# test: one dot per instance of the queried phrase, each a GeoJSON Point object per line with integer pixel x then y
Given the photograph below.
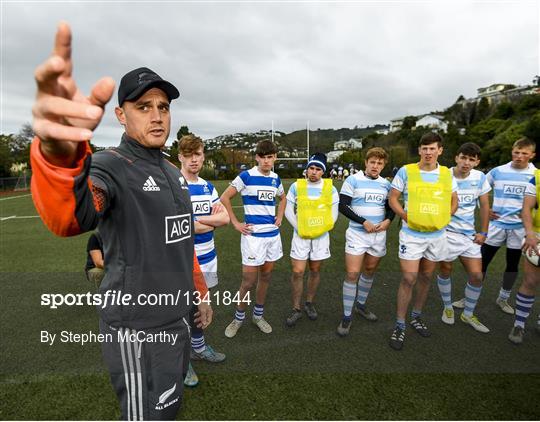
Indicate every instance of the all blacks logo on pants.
{"type": "Point", "coordinates": [177, 228]}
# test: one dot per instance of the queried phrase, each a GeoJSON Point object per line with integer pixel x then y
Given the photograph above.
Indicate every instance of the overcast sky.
{"type": "Point", "coordinates": [241, 65]}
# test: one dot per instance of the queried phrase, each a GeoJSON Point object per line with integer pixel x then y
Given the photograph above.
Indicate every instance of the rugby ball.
{"type": "Point", "coordinates": [532, 258]}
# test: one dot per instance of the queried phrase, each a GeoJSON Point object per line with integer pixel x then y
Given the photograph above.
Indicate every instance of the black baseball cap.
{"type": "Point", "coordinates": [138, 81]}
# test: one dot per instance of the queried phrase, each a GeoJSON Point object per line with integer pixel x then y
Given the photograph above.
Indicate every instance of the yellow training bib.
{"type": "Point", "coordinates": [429, 204]}
{"type": "Point", "coordinates": [314, 215]}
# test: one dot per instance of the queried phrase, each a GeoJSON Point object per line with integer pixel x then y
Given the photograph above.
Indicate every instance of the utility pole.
{"type": "Point", "coordinates": [307, 129]}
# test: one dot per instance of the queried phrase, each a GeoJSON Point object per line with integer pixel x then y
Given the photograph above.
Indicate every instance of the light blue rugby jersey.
{"type": "Point", "coordinates": [469, 189]}
{"type": "Point", "coordinates": [314, 191]}
{"type": "Point", "coordinates": [509, 186]}
{"type": "Point", "coordinates": [203, 197]}
{"type": "Point", "coordinates": [259, 198]}
{"type": "Point", "coordinates": [368, 197]}
{"type": "Point", "coordinates": [400, 183]}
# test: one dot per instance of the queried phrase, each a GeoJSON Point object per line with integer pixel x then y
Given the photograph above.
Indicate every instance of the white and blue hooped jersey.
{"type": "Point", "coordinates": [314, 191]}
{"type": "Point", "coordinates": [400, 183]}
{"type": "Point", "coordinates": [368, 197]}
{"type": "Point", "coordinates": [203, 197]}
{"type": "Point", "coordinates": [469, 189]}
{"type": "Point", "coordinates": [259, 198]}
{"type": "Point", "coordinates": [509, 186]}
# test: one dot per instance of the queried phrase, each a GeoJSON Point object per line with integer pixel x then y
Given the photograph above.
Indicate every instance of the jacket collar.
{"type": "Point", "coordinates": [140, 151]}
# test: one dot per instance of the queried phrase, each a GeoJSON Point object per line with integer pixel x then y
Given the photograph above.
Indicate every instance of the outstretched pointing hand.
{"type": "Point", "coordinates": [63, 116]}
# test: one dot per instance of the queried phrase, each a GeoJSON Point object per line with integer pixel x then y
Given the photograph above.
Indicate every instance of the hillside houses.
{"type": "Point", "coordinates": [347, 145]}
{"type": "Point", "coordinates": [496, 93]}
{"type": "Point", "coordinates": [433, 121]}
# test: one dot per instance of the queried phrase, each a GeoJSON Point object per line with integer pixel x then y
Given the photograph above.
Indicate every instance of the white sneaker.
{"type": "Point", "coordinates": [233, 328]}
{"type": "Point", "coordinates": [448, 316]}
{"type": "Point", "coordinates": [505, 307]}
{"type": "Point", "coordinates": [262, 324]}
{"type": "Point", "coordinates": [473, 322]}
{"type": "Point", "coordinates": [459, 304]}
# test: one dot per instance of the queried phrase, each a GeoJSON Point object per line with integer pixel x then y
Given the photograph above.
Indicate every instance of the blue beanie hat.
{"type": "Point", "coordinates": [318, 159]}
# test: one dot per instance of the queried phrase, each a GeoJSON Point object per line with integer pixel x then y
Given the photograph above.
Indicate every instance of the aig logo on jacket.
{"type": "Point", "coordinates": [177, 228]}
{"type": "Point", "coordinates": [201, 207]}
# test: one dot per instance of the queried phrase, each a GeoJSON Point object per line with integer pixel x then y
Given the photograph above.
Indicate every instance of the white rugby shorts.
{"type": "Point", "coordinates": [312, 249]}
{"type": "Point", "coordinates": [258, 250]}
{"type": "Point", "coordinates": [414, 248]}
{"type": "Point", "coordinates": [209, 271]}
{"type": "Point", "coordinates": [459, 244]}
{"type": "Point", "coordinates": [498, 236]}
{"type": "Point", "coordinates": [359, 243]}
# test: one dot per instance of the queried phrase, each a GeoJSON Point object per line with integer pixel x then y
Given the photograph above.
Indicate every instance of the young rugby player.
{"type": "Point", "coordinates": [462, 238]}
{"type": "Point", "coordinates": [208, 214]}
{"type": "Point", "coordinates": [430, 197]}
{"type": "Point", "coordinates": [506, 227]}
{"type": "Point", "coordinates": [312, 210]}
{"type": "Point", "coordinates": [363, 200]}
{"type": "Point", "coordinates": [260, 240]}
{"type": "Point", "coordinates": [531, 276]}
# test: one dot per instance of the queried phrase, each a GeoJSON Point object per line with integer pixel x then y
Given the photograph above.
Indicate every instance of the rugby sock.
{"type": "Point", "coordinates": [240, 315]}
{"type": "Point", "coordinates": [349, 294]}
{"type": "Point", "coordinates": [445, 288]}
{"type": "Point", "coordinates": [400, 323]}
{"type": "Point", "coordinates": [415, 313]}
{"type": "Point", "coordinates": [197, 342]}
{"type": "Point", "coordinates": [504, 294]}
{"type": "Point", "coordinates": [472, 294]}
{"type": "Point", "coordinates": [364, 286]}
{"type": "Point", "coordinates": [524, 304]}
{"type": "Point", "coordinates": [258, 311]}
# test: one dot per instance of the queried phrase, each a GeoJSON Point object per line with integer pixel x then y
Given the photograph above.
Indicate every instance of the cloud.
{"type": "Point", "coordinates": [240, 66]}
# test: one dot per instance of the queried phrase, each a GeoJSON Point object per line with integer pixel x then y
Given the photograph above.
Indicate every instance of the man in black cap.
{"type": "Point", "coordinates": [141, 205]}
{"type": "Point", "coordinates": [312, 210]}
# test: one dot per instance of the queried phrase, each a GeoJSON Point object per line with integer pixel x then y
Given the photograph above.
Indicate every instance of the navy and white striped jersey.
{"type": "Point", "coordinates": [469, 189]}
{"type": "Point", "coordinates": [368, 197]}
{"type": "Point", "coordinates": [259, 198]}
{"type": "Point", "coordinates": [509, 186]}
{"type": "Point", "coordinates": [203, 197]}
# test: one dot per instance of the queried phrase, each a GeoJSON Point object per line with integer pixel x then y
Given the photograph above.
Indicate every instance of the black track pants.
{"type": "Point", "coordinates": [148, 377]}
{"type": "Point", "coordinates": [512, 263]}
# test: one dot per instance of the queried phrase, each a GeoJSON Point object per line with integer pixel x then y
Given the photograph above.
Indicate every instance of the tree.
{"type": "Point", "coordinates": [504, 110]}
{"type": "Point", "coordinates": [173, 151]}
{"type": "Point", "coordinates": [184, 130]}
{"type": "Point", "coordinates": [529, 103]}
{"type": "Point", "coordinates": [15, 149]}
{"type": "Point", "coordinates": [6, 159]}
{"type": "Point", "coordinates": [408, 122]}
{"type": "Point", "coordinates": [351, 157]}
{"type": "Point", "coordinates": [27, 132]}
{"type": "Point", "coordinates": [482, 111]}
{"type": "Point", "coordinates": [532, 129]}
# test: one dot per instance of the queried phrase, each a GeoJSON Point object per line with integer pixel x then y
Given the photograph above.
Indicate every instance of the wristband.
{"type": "Point", "coordinates": [483, 233]}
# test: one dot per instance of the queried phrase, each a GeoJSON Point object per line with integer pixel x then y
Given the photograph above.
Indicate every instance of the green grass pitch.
{"type": "Point", "coordinates": [306, 372]}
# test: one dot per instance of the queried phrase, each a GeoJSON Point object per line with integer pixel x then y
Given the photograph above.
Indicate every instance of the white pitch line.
{"type": "Point", "coordinates": [11, 217]}
{"type": "Point", "coordinates": [15, 197]}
